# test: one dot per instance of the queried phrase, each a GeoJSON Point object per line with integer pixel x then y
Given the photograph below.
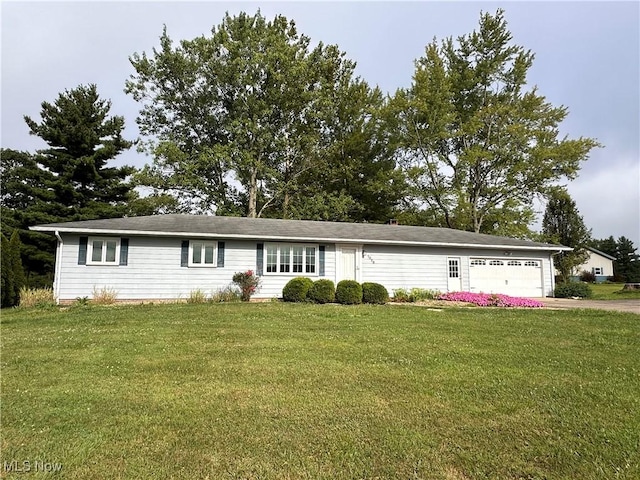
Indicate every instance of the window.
{"type": "Point", "coordinates": [597, 270]}
{"type": "Point", "coordinates": [496, 262]}
{"type": "Point", "coordinates": [476, 262]}
{"type": "Point", "coordinates": [285, 260]}
{"type": "Point", "coordinates": [531, 263]}
{"type": "Point", "coordinates": [272, 258]}
{"type": "Point", "coordinates": [297, 259]}
{"type": "Point", "coordinates": [104, 251]}
{"type": "Point", "coordinates": [202, 254]}
{"type": "Point", "coordinates": [310, 260]}
{"type": "Point", "coordinates": [514, 263]}
{"type": "Point", "coordinates": [454, 269]}
{"type": "Point", "coordinates": [291, 259]}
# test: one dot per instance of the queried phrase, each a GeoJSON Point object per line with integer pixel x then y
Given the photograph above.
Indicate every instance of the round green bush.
{"type": "Point", "coordinates": [322, 291]}
{"type": "Point", "coordinates": [349, 292]}
{"type": "Point", "coordinates": [296, 289]}
{"type": "Point", "coordinates": [572, 289]}
{"type": "Point", "coordinates": [374, 293]}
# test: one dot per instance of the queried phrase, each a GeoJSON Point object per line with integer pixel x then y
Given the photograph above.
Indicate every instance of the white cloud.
{"type": "Point", "coordinates": [609, 200]}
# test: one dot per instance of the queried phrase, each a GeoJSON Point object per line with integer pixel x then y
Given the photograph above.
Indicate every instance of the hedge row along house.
{"type": "Point", "coordinates": [164, 257]}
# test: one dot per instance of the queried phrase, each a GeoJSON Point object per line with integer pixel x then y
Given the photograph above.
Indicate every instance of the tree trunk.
{"type": "Point", "coordinates": [285, 205]}
{"type": "Point", "coordinates": [253, 194]}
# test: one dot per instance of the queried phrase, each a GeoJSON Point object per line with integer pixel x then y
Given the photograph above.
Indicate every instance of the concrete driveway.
{"type": "Point", "coordinates": [630, 306]}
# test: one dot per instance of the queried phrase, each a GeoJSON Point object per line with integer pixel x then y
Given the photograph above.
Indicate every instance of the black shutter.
{"type": "Point", "coordinates": [321, 260]}
{"type": "Point", "coordinates": [184, 254]}
{"type": "Point", "coordinates": [259, 258]}
{"type": "Point", "coordinates": [82, 251]}
{"type": "Point", "coordinates": [124, 251]}
{"type": "Point", "coordinates": [220, 254]}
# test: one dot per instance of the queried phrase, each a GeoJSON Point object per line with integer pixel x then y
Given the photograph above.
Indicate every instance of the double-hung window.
{"type": "Point", "coordinates": [103, 251]}
{"type": "Point", "coordinates": [202, 253]}
{"type": "Point", "coordinates": [291, 259]}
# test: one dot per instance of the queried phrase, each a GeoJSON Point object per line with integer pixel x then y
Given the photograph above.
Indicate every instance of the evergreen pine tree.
{"type": "Point", "coordinates": [16, 271]}
{"type": "Point", "coordinates": [12, 273]}
{"type": "Point", "coordinates": [6, 288]}
{"type": "Point", "coordinates": [82, 139]}
{"type": "Point", "coordinates": [562, 224]}
{"type": "Point", "coordinates": [69, 180]}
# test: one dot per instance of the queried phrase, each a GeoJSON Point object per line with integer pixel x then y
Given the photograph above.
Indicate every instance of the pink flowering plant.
{"type": "Point", "coordinates": [248, 282]}
{"type": "Point", "coordinates": [490, 300]}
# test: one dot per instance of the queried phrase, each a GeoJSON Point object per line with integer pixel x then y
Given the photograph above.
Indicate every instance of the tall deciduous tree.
{"type": "Point", "coordinates": [354, 177]}
{"type": "Point", "coordinates": [477, 145]}
{"type": "Point", "coordinates": [562, 224]}
{"type": "Point", "coordinates": [252, 102]}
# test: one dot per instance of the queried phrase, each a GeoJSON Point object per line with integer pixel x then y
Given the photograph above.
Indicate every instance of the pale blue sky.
{"type": "Point", "coordinates": [587, 58]}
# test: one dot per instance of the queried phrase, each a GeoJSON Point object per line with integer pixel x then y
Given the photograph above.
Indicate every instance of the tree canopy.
{"type": "Point", "coordinates": [254, 120]}
{"type": "Point", "coordinates": [254, 104]}
{"type": "Point", "coordinates": [478, 145]}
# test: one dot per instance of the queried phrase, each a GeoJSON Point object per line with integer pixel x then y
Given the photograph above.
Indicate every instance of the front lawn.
{"type": "Point", "coordinates": [301, 391]}
{"type": "Point", "coordinates": [612, 291]}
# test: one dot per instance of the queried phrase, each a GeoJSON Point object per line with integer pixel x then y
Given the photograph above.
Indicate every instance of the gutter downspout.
{"type": "Point", "coordinates": [57, 267]}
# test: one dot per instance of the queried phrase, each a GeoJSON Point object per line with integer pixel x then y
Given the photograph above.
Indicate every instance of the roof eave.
{"type": "Point", "coordinates": [99, 231]}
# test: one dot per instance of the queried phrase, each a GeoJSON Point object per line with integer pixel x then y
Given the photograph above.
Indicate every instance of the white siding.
{"type": "Point", "coordinates": [424, 267]}
{"type": "Point", "coordinates": [154, 272]}
{"type": "Point", "coordinates": [596, 260]}
{"type": "Point", "coordinates": [405, 267]}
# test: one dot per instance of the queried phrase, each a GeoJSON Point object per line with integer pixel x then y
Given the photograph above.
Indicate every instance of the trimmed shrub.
{"type": "Point", "coordinates": [572, 289]}
{"type": "Point", "coordinates": [296, 289]}
{"type": "Point", "coordinates": [322, 291]}
{"type": "Point", "coordinates": [374, 293]}
{"type": "Point", "coordinates": [349, 292]}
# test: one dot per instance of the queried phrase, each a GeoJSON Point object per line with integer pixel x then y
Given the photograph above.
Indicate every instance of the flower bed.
{"type": "Point", "coordinates": [490, 300]}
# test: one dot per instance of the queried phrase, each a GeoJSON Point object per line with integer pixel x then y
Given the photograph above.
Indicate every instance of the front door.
{"type": "Point", "coordinates": [454, 283]}
{"type": "Point", "coordinates": [348, 261]}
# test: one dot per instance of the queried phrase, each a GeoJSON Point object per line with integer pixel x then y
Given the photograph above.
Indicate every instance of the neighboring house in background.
{"type": "Point", "coordinates": [599, 263]}
{"type": "Point", "coordinates": [165, 257]}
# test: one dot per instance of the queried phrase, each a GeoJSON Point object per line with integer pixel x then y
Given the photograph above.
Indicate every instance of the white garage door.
{"type": "Point", "coordinates": [520, 278]}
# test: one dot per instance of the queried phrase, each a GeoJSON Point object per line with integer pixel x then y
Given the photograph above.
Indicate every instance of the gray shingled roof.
{"type": "Point", "coordinates": [605, 255]}
{"type": "Point", "coordinates": [288, 230]}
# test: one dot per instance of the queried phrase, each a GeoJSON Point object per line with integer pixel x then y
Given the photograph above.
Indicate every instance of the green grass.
{"type": "Point", "coordinates": [612, 291]}
{"type": "Point", "coordinates": [301, 391]}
